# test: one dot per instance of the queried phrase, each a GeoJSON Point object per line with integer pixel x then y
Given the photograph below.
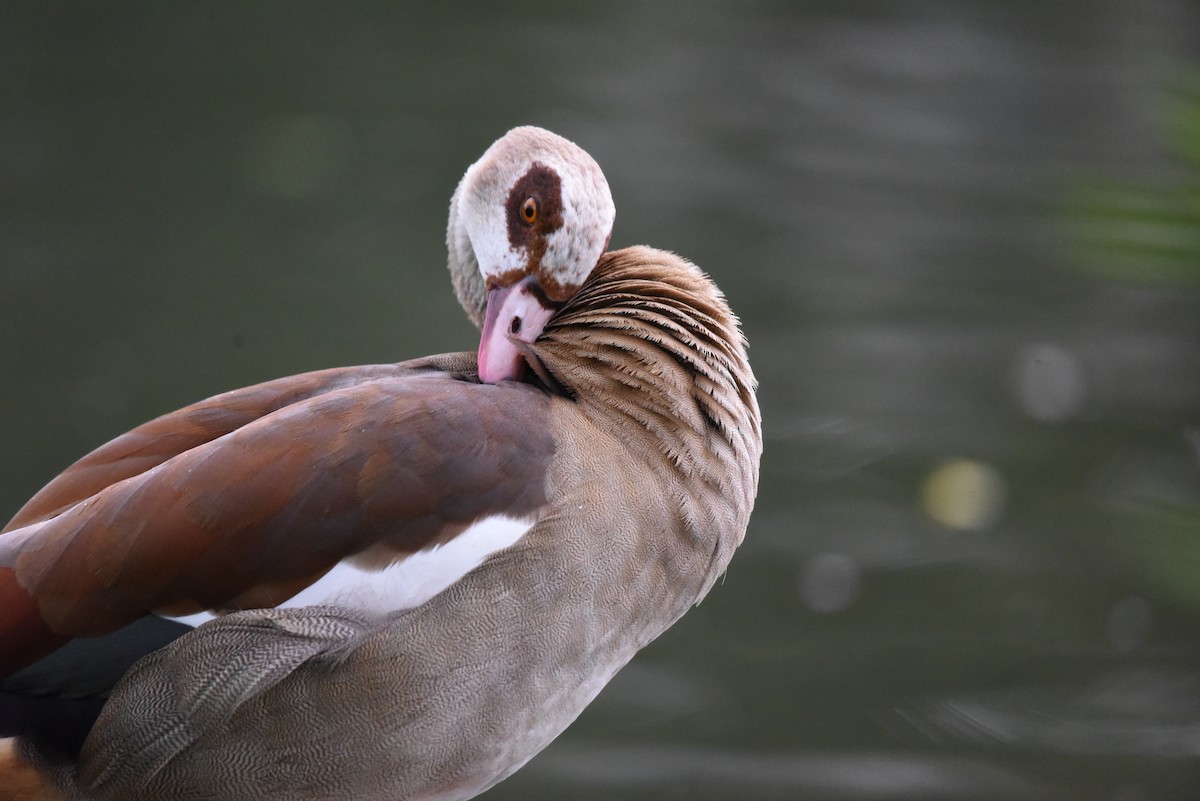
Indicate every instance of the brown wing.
{"type": "Point", "coordinates": [248, 518]}
{"type": "Point", "coordinates": [152, 443]}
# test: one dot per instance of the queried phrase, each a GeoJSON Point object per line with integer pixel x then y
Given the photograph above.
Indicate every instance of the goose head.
{"type": "Point", "coordinates": [528, 222]}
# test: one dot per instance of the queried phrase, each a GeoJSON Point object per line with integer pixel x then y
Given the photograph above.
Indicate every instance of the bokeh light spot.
{"type": "Point", "coordinates": [964, 494]}
{"type": "Point", "coordinates": [830, 582]}
{"type": "Point", "coordinates": [1050, 383]}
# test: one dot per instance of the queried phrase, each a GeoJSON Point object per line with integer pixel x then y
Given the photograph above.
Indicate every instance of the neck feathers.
{"type": "Point", "coordinates": [650, 338]}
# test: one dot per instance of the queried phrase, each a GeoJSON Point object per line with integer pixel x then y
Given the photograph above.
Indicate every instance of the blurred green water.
{"type": "Point", "coordinates": [970, 572]}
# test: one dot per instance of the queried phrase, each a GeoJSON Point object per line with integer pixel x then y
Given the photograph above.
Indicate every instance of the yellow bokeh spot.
{"type": "Point", "coordinates": [963, 494]}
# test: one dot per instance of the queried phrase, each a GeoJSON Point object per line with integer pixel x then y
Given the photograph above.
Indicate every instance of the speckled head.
{"type": "Point", "coordinates": [528, 223]}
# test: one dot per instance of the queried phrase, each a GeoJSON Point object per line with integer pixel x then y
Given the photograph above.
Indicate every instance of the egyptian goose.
{"type": "Point", "coordinates": [392, 581]}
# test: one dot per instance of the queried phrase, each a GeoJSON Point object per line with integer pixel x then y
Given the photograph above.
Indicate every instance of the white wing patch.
{"type": "Point", "coordinates": [407, 583]}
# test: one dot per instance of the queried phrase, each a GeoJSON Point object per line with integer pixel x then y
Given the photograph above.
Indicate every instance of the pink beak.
{"type": "Point", "coordinates": [516, 312]}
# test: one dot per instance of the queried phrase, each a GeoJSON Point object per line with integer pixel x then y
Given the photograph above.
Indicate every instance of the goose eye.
{"type": "Point", "coordinates": [529, 210]}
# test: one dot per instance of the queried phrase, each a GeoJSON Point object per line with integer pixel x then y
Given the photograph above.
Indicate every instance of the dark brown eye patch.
{"type": "Point", "coordinates": [534, 205]}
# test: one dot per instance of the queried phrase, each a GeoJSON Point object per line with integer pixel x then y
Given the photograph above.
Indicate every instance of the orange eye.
{"type": "Point", "coordinates": [529, 210]}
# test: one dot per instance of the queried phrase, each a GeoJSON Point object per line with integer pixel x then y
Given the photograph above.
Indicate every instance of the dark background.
{"type": "Point", "coordinates": [974, 568]}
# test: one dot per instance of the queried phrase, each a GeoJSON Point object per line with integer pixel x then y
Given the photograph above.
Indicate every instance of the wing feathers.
{"type": "Point", "coordinates": [160, 439]}
{"type": "Point", "coordinates": [251, 517]}
{"type": "Point", "coordinates": [199, 681]}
